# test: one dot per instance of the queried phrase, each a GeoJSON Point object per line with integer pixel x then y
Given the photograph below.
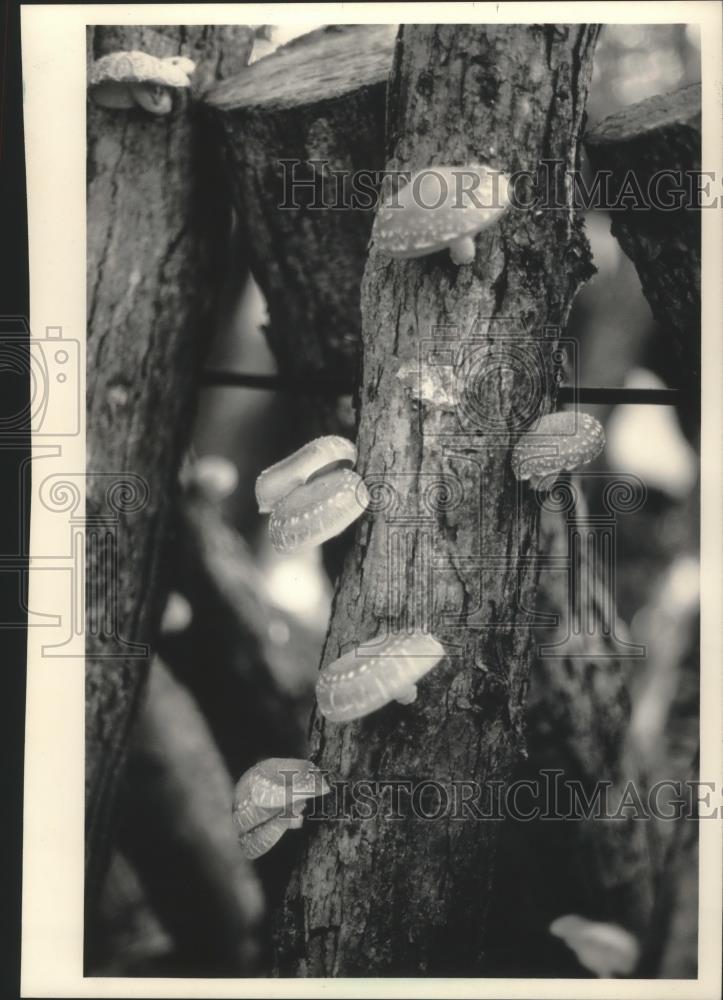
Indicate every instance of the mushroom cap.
{"type": "Point", "coordinates": [280, 479]}
{"type": "Point", "coordinates": [183, 63]}
{"type": "Point", "coordinates": [177, 614]}
{"type": "Point", "coordinates": [138, 67]}
{"type": "Point", "coordinates": [265, 791]}
{"type": "Point", "coordinates": [262, 837]}
{"type": "Point", "coordinates": [561, 441]}
{"type": "Point", "coordinates": [356, 685]}
{"type": "Point", "coordinates": [215, 476]}
{"type": "Point", "coordinates": [415, 225]}
{"type": "Point", "coordinates": [605, 949]}
{"type": "Point", "coordinates": [317, 511]}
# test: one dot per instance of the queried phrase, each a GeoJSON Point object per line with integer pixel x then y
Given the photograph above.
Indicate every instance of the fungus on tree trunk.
{"type": "Point", "coordinates": [371, 898]}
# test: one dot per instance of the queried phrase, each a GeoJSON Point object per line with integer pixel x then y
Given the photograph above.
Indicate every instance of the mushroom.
{"type": "Point", "coordinates": [215, 476]}
{"type": "Point", "coordinates": [561, 441]}
{"type": "Point", "coordinates": [177, 614]}
{"type": "Point", "coordinates": [270, 799]}
{"type": "Point", "coordinates": [317, 511]}
{"type": "Point", "coordinates": [605, 949]}
{"type": "Point", "coordinates": [126, 79]}
{"type": "Point", "coordinates": [437, 210]}
{"type": "Point", "coordinates": [315, 458]}
{"type": "Point", "coordinates": [358, 684]}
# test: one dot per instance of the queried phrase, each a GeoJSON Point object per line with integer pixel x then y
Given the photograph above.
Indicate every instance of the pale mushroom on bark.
{"type": "Point", "coordinates": [215, 476]}
{"type": "Point", "coordinates": [359, 683]}
{"type": "Point", "coordinates": [605, 949]}
{"type": "Point", "coordinates": [127, 79]}
{"type": "Point", "coordinates": [561, 442]}
{"type": "Point", "coordinates": [313, 495]}
{"type": "Point", "coordinates": [441, 208]}
{"type": "Point", "coordinates": [270, 798]}
{"type": "Point", "coordinates": [318, 456]}
{"type": "Point", "coordinates": [317, 511]}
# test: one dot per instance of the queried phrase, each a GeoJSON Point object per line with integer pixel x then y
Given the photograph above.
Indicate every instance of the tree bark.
{"type": "Point", "coordinates": [662, 133]}
{"type": "Point", "coordinates": [410, 897]}
{"type": "Point", "coordinates": [157, 227]}
{"type": "Point", "coordinates": [579, 710]}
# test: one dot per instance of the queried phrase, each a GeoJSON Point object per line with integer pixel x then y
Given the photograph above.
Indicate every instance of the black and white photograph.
{"type": "Point", "coordinates": [382, 447]}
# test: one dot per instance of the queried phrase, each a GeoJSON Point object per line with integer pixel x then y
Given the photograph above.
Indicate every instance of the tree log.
{"type": "Point", "coordinates": [319, 98]}
{"type": "Point", "coordinates": [410, 897]}
{"type": "Point", "coordinates": [127, 939]}
{"type": "Point", "coordinates": [662, 133]}
{"type": "Point", "coordinates": [157, 225]}
{"type": "Point", "coordinates": [579, 710]}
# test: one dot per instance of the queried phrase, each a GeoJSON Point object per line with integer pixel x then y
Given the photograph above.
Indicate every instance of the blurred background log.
{"type": "Point", "coordinates": [250, 665]}
{"type": "Point", "coordinates": [663, 133]}
{"type": "Point", "coordinates": [175, 828]}
{"type": "Point", "coordinates": [158, 220]}
{"type": "Point", "coordinates": [660, 134]}
{"type": "Point", "coordinates": [127, 938]}
{"type": "Point", "coordinates": [262, 666]}
{"type": "Point", "coordinates": [319, 98]}
{"type": "Point", "coordinates": [578, 712]}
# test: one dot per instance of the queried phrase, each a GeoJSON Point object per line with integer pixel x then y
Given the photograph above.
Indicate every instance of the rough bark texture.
{"type": "Point", "coordinates": [152, 241]}
{"type": "Point", "coordinates": [662, 133]}
{"type": "Point", "coordinates": [579, 707]}
{"type": "Point", "coordinates": [320, 98]}
{"type": "Point", "coordinates": [410, 897]}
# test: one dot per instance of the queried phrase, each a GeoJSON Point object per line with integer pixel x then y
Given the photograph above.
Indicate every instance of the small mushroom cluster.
{"type": "Point", "coordinates": [122, 80]}
{"type": "Point", "coordinates": [270, 799]}
{"type": "Point", "coordinates": [438, 210]}
{"type": "Point", "coordinates": [561, 442]}
{"type": "Point", "coordinates": [312, 495]}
